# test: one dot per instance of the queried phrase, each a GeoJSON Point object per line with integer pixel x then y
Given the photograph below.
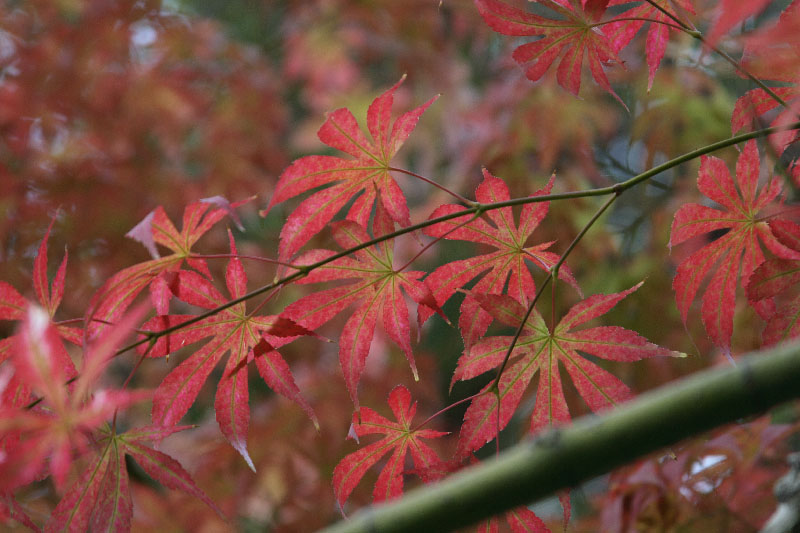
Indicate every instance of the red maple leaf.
{"type": "Point", "coordinates": [399, 438]}
{"type": "Point", "coordinates": [777, 276]}
{"type": "Point", "coordinates": [539, 350]}
{"type": "Point", "coordinates": [100, 499]}
{"type": "Point", "coordinates": [114, 297]}
{"type": "Point", "coordinates": [13, 306]}
{"type": "Point", "coordinates": [520, 520]}
{"type": "Point", "coordinates": [730, 14]}
{"type": "Point", "coordinates": [245, 336]}
{"type": "Point", "coordinates": [368, 171]}
{"type": "Point", "coordinates": [621, 33]}
{"type": "Point", "coordinates": [377, 288]}
{"type": "Point", "coordinates": [773, 53]}
{"type": "Point", "coordinates": [67, 415]}
{"type": "Point", "coordinates": [738, 246]}
{"type": "Point", "coordinates": [508, 263]}
{"type": "Point", "coordinates": [576, 34]}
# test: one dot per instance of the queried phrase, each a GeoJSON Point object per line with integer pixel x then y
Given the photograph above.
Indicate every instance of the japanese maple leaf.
{"type": "Point", "coordinates": [520, 520]}
{"type": "Point", "coordinates": [13, 306]}
{"type": "Point", "coordinates": [722, 258]}
{"type": "Point", "coordinates": [114, 297]}
{"type": "Point", "coordinates": [539, 350]}
{"type": "Point", "coordinates": [244, 335]}
{"type": "Point", "coordinates": [621, 33]}
{"type": "Point", "coordinates": [100, 499]}
{"type": "Point", "coordinates": [773, 54]}
{"type": "Point", "coordinates": [377, 290]}
{"type": "Point", "coordinates": [63, 422]}
{"type": "Point", "coordinates": [400, 438]}
{"type": "Point", "coordinates": [776, 276]}
{"type": "Point", "coordinates": [577, 34]}
{"type": "Point", "coordinates": [730, 14]}
{"type": "Point", "coordinates": [367, 172]}
{"type": "Point", "coordinates": [508, 263]}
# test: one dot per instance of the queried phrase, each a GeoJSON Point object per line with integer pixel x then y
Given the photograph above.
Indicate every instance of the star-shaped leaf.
{"type": "Point", "coordinates": [508, 263]}
{"type": "Point", "coordinates": [576, 34]}
{"type": "Point", "coordinates": [377, 290]}
{"type": "Point", "coordinates": [245, 336]}
{"type": "Point", "coordinates": [366, 172]}
{"type": "Point", "coordinates": [399, 438]}
{"type": "Point", "coordinates": [739, 246]}
{"type": "Point", "coordinates": [114, 297]}
{"type": "Point", "coordinates": [541, 351]}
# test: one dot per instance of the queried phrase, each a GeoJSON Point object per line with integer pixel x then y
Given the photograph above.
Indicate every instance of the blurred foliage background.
{"type": "Point", "coordinates": [109, 108]}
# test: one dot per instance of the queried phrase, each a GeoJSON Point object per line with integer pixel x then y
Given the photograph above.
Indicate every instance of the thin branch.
{"type": "Point", "coordinates": [476, 209]}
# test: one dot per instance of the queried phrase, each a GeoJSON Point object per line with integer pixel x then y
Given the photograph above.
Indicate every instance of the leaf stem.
{"type": "Point", "coordinates": [468, 203]}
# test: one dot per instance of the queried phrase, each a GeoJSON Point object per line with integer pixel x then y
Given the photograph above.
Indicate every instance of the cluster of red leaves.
{"type": "Point", "coordinates": [56, 422]}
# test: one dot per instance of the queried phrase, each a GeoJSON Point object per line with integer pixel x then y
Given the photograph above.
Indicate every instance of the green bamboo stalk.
{"type": "Point", "coordinates": [563, 458]}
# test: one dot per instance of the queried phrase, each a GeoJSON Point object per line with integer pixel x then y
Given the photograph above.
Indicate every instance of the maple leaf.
{"type": "Point", "coordinates": [508, 263]}
{"type": "Point", "coordinates": [247, 337]}
{"type": "Point", "coordinates": [732, 13]}
{"type": "Point", "coordinates": [14, 306]}
{"type": "Point", "coordinates": [575, 35]}
{"type": "Point", "coordinates": [114, 297]}
{"type": "Point", "coordinates": [621, 32]}
{"type": "Point", "coordinates": [539, 350]}
{"type": "Point", "coordinates": [520, 520]}
{"type": "Point", "coordinates": [774, 277]}
{"type": "Point", "coordinates": [377, 288]}
{"type": "Point", "coordinates": [399, 438]}
{"type": "Point", "coordinates": [100, 499]}
{"type": "Point", "coordinates": [738, 246]}
{"type": "Point", "coordinates": [368, 172]}
{"type": "Point", "coordinates": [773, 54]}
{"type": "Point", "coordinates": [67, 414]}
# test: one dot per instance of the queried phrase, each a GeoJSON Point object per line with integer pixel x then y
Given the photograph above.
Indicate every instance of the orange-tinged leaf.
{"type": "Point", "coordinates": [740, 245]}
{"type": "Point", "coordinates": [366, 173]}
{"type": "Point", "coordinates": [399, 438]}
{"type": "Point", "coordinates": [538, 350]}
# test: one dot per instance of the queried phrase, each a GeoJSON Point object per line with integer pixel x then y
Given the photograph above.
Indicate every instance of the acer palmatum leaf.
{"type": "Point", "coordinates": [376, 289]}
{"type": "Point", "coordinates": [731, 13]}
{"type": "Point", "coordinates": [774, 277]}
{"type": "Point", "coordinates": [399, 438]}
{"type": "Point", "coordinates": [366, 172]}
{"type": "Point", "coordinates": [100, 499]}
{"type": "Point", "coordinates": [739, 248]}
{"type": "Point", "coordinates": [60, 427]}
{"type": "Point", "coordinates": [575, 35]}
{"type": "Point", "coordinates": [232, 331]}
{"type": "Point", "coordinates": [621, 33]}
{"type": "Point", "coordinates": [538, 350]}
{"type": "Point", "coordinates": [13, 306]}
{"type": "Point", "coordinates": [116, 294]}
{"type": "Point", "coordinates": [508, 263]}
